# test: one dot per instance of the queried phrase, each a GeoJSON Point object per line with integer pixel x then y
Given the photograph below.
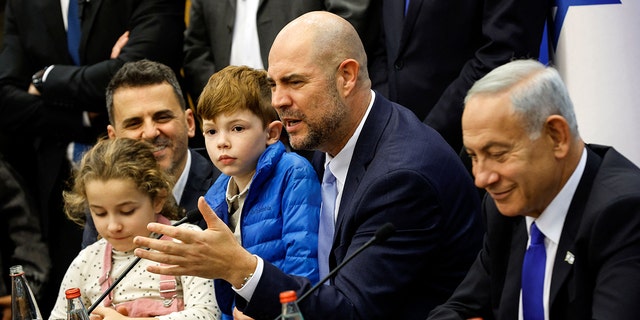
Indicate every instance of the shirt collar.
{"type": "Point", "coordinates": [551, 220]}
{"type": "Point", "coordinates": [233, 192]}
{"type": "Point", "coordinates": [178, 188]}
{"type": "Point", "coordinates": [340, 163]}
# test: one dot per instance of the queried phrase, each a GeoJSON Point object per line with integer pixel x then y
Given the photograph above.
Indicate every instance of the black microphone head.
{"type": "Point", "coordinates": [193, 216]}
{"type": "Point", "coordinates": [384, 232]}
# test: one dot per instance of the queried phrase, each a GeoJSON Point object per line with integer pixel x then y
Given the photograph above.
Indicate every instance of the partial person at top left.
{"type": "Point", "coordinates": [56, 61]}
{"type": "Point", "coordinates": [20, 238]}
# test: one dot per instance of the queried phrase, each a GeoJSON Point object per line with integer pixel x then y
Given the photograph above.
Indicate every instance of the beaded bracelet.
{"type": "Point", "coordinates": [246, 279]}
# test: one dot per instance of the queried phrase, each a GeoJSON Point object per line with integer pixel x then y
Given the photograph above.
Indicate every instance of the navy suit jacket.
{"type": "Point", "coordinates": [428, 60]}
{"type": "Point", "coordinates": [401, 172]}
{"type": "Point", "coordinates": [201, 176]}
{"type": "Point", "coordinates": [601, 231]}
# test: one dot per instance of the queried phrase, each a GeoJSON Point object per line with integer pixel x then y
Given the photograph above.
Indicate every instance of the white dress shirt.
{"type": "Point", "coordinates": [550, 223]}
{"type": "Point", "coordinates": [245, 46]}
{"type": "Point", "coordinates": [339, 168]}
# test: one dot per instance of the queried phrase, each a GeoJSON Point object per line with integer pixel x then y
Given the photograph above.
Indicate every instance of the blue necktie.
{"type": "Point", "coordinates": [73, 31]}
{"type": "Point", "coordinates": [406, 7]}
{"type": "Point", "coordinates": [327, 212]}
{"type": "Point", "coordinates": [73, 45]}
{"type": "Point", "coordinates": [533, 276]}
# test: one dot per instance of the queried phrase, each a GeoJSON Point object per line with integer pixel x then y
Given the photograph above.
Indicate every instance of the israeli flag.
{"type": "Point", "coordinates": [595, 45]}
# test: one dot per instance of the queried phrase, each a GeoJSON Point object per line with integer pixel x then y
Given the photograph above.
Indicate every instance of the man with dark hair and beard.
{"type": "Point", "coordinates": [145, 101]}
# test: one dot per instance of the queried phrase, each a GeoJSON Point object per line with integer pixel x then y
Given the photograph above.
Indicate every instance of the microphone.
{"type": "Point", "coordinates": [190, 217]}
{"type": "Point", "coordinates": [382, 234]}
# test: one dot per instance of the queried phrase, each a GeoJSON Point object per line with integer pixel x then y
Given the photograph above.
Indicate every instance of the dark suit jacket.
{"type": "Point", "coordinates": [428, 60]}
{"type": "Point", "coordinates": [202, 175]}
{"type": "Point", "coordinates": [209, 35]}
{"type": "Point", "coordinates": [35, 38]}
{"type": "Point", "coordinates": [401, 172]}
{"type": "Point", "coordinates": [601, 230]}
{"type": "Point", "coordinates": [208, 38]}
{"type": "Point", "coordinates": [40, 127]}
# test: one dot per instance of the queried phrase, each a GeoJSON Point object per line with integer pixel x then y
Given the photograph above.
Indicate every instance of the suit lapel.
{"type": "Point", "coordinates": [89, 14]}
{"type": "Point", "coordinates": [230, 17]}
{"type": "Point", "coordinates": [198, 181]}
{"type": "Point", "coordinates": [410, 22]}
{"type": "Point", "coordinates": [566, 254]}
{"type": "Point", "coordinates": [52, 16]}
{"type": "Point", "coordinates": [363, 154]}
{"type": "Point", "coordinates": [510, 300]}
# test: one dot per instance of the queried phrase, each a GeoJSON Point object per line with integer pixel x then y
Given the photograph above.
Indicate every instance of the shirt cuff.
{"type": "Point", "coordinates": [250, 287]}
{"type": "Point", "coordinates": [46, 73]}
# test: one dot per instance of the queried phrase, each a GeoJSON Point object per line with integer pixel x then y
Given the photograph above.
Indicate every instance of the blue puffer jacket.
{"type": "Point", "coordinates": [280, 216]}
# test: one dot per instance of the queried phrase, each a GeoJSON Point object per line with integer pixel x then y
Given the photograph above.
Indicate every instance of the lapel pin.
{"type": "Point", "coordinates": [570, 258]}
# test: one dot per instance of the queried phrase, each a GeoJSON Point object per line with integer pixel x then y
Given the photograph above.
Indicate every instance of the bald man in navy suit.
{"type": "Point", "coordinates": [389, 167]}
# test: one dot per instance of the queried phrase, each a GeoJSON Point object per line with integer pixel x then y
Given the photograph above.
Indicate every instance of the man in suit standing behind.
{"type": "Point", "coordinates": [56, 61]}
{"type": "Point", "coordinates": [430, 53]}
{"type": "Point", "coordinates": [388, 167]}
{"type": "Point", "coordinates": [563, 218]}
{"type": "Point", "coordinates": [240, 32]}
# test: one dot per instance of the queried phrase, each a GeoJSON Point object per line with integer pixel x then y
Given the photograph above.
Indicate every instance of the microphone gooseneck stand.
{"type": "Point", "coordinates": [382, 234]}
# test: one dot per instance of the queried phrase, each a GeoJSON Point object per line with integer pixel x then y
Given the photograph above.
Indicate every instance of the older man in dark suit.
{"type": "Point", "coordinates": [388, 167]}
{"type": "Point", "coordinates": [563, 217]}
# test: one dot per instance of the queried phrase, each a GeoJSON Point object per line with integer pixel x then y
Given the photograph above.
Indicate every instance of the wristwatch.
{"type": "Point", "coordinates": [37, 81]}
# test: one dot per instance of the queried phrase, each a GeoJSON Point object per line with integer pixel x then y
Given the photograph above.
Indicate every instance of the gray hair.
{"type": "Point", "coordinates": [536, 92]}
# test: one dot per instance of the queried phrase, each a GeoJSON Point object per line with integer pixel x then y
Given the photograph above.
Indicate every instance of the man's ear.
{"type": "Point", "coordinates": [347, 76]}
{"type": "Point", "coordinates": [191, 122]}
{"type": "Point", "coordinates": [274, 130]}
{"type": "Point", "coordinates": [111, 131]}
{"type": "Point", "coordinates": [557, 128]}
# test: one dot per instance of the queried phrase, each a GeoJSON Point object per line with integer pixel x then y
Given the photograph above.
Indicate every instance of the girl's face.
{"type": "Point", "coordinates": [120, 211]}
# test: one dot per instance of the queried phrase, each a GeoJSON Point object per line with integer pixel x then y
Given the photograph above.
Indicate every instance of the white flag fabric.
{"type": "Point", "coordinates": [597, 52]}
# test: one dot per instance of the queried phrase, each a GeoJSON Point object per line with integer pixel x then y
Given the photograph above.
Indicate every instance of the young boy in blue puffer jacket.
{"type": "Point", "coordinates": [269, 197]}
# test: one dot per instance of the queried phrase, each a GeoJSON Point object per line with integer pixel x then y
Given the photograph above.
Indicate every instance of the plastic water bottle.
{"type": "Point", "coordinates": [290, 309]}
{"type": "Point", "coordinates": [75, 308]}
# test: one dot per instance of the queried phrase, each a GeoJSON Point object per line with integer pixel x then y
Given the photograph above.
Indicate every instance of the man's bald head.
{"type": "Point", "coordinates": [330, 38]}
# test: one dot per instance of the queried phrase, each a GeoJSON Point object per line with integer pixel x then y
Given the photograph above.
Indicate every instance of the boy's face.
{"type": "Point", "coordinates": [120, 211]}
{"type": "Point", "coordinates": [235, 142]}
